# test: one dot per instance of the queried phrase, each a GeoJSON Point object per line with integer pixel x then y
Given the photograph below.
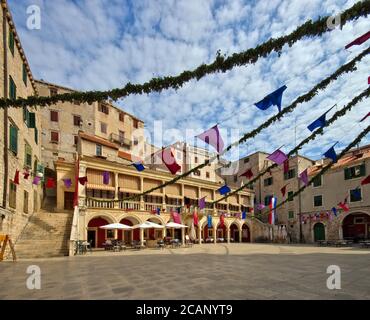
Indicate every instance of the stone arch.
{"type": "Point", "coordinates": [96, 235]}
{"type": "Point", "coordinates": [319, 231]}
{"type": "Point", "coordinates": [129, 235]}
{"type": "Point", "coordinates": [155, 234]}
{"type": "Point", "coordinates": [246, 232]}
{"type": "Point", "coordinates": [234, 231]}
{"type": "Point", "coordinates": [355, 225]}
{"type": "Point", "coordinates": [110, 218]}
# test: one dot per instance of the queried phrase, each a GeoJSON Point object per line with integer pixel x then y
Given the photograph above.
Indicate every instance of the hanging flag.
{"type": "Point", "coordinates": [358, 41]}
{"type": "Point", "coordinates": [202, 203]}
{"type": "Point", "coordinates": [176, 217]}
{"type": "Point", "coordinates": [366, 180]}
{"type": "Point", "coordinates": [26, 174]}
{"type": "Point", "coordinates": [334, 209]}
{"type": "Point", "coordinates": [209, 221]}
{"type": "Point", "coordinates": [105, 177]}
{"type": "Point", "coordinates": [331, 153]}
{"type": "Point", "coordinates": [82, 180]}
{"type": "Point", "coordinates": [67, 183]}
{"type": "Point", "coordinates": [195, 218]}
{"type": "Point", "coordinates": [366, 115]}
{"type": "Point", "coordinates": [178, 210]}
{"type": "Point", "coordinates": [357, 193]}
{"type": "Point", "coordinates": [320, 122]}
{"type": "Point", "coordinates": [260, 206]}
{"type": "Point", "coordinates": [50, 183]}
{"type": "Point", "coordinates": [278, 156]}
{"type": "Point", "coordinates": [16, 177]}
{"type": "Point", "coordinates": [283, 190]}
{"type": "Point", "coordinates": [244, 215]}
{"type": "Point", "coordinates": [187, 202]}
{"type": "Point", "coordinates": [159, 211]}
{"type": "Point", "coordinates": [304, 177]}
{"type": "Point", "coordinates": [344, 205]}
{"type": "Point", "coordinates": [286, 166]}
{"type": "Point", "coordinates": [248, 174]}
{"type": "Point", "coordinates": [36, 180]}
{"type": "Point", "coordinates": [274, 98]}
{"type": "Point", "coordinates": [222, 220]}
{"type": "Point", "coordinates": [138, 166]}
{"type": "Point", "coordinates": [224, 189]}
{"type": "Point", "coordinates": [272, 210]}
{"type": "Point", "coordinates": [213, 137]}
{"type": "Point", "coordinates": [169, 160]}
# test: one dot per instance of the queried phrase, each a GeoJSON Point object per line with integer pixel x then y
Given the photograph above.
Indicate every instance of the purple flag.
{"type": "Point", "coordinates": [36, 180]}
{"type": "Point", "coordinates": [212, 136]}
{"type": "Point", "coordinates": [304, 177]}
{"type": "Point", "coordinates": [278, 156]}
{"type": "Point", "coordinates": [67, 183]}
{"type": "Point", "coordinates": [260, 206]}
{"type": "Point", "coordinates": [106, 177]}
{"type": "Point", "coordinates": [202, 203]}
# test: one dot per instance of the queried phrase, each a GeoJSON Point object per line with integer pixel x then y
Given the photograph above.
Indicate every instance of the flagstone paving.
{"type": "Point", "coordinates": [234, 271]}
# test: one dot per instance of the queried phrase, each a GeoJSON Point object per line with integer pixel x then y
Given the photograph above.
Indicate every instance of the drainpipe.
{"type": "Point", "coordinates": [5, 159]}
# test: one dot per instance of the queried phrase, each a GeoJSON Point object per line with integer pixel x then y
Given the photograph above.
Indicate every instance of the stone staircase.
{"type": "Point", "coordinates": [46, 235]}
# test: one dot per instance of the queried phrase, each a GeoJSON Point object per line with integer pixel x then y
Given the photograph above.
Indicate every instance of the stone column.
{"type": "Point", "coordinates": [163, 198]}
{"type": "Point", "coordinates": [240, 235]}
{"type": "Point", "coordinates": [142, 237]}
{"type": "Point", "coordinates": [228, 234]}
{"type": "Point", "coordinates": [215, 234]}
{"type": "Point", "coordinates": [142, 206]}
{"type": "Point", "coordinates": [116, 203]}
{"type": "Point", "coordinates": [200, 234]}
{"type": "Point", "coordinates": [183, 236]}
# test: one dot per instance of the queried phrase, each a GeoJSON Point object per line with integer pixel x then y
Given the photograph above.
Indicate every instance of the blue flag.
{"type": "Point", "coordinates": [331, 153]}
{"type": "Point", "coordinates": [318, 123]}
{"type": "Point", "coordinates": [357, 194]}
{"type": "Point", "coordinates": [139, 166]}
{"type": "Point", "coordinates": [209, 219]}
{"type": "Point", "coordinates": [334, 209]}
{"type": "Point", "coordinates": [159, 211]}
{"type": "Point", "coordinates": [224, 189]}
{"type": "Point", "coordinates": [274, 98]}
{"type": "Point", "coordinates": [244, 215]}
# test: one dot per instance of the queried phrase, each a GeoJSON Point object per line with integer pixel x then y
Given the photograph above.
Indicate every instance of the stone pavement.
{"type": "Point", "coordinates": [234, 271]}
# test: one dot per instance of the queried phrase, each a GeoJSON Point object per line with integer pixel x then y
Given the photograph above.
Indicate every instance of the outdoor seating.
{"type": "Point", "coordinates": [188, 241]}
{"type": "Point", "coordinates": [160, 244]}
{"type": "Point", "coordinates": [365, 243]}
{"type": "Point", "coordinates": [220, 240]}
{"type": "Point", "coordinates": [175, 243]}
{"type": "Point", "coordinates": [209, 240]}
{"type": "Point", "coordinates": [107, 245]}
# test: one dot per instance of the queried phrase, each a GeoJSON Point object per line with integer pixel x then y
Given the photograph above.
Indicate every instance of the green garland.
{"type": "Point", "coordinates": [320, 131]}
{"type": "Point", "coordinates": [348, 67]}
{"type": "Point", "coordinates": [326, 168]}
{"type": "Point", "coordinates": [220, 64]}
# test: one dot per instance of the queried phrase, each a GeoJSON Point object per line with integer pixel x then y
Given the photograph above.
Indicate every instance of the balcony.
{"type": "Point", "coordinates": [122, 141]}
{"type": "Point", "coordinates": [130, 205]}
{"type": "Point", "coordinates": [91, 203]}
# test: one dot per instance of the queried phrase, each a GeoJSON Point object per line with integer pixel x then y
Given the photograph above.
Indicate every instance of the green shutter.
{"type": "Point", "coordinates": [362, 170]}
{"type": "Point", "coordinates": [347, 174]}
{"type": "Point", "coordinates": [27, 155]}
{"type": "Point", "coordinates": [25, 113]}
{"type": "Point", "coordinates": [12, 89]}
{"type": "Point", "coordinates": [11, 42]}
{"type": "Point", "coordinates": [14, 139]}
{"type": "Point", "coordinates": [24, 74]}
{"type": "Point", "coordinates": [31, 121]}
{"type": "Point", "coordinates": [36, 136]}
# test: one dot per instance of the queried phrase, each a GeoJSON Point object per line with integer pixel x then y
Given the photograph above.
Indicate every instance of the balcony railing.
{"type": "Point", "coordinates": [130, 205]}
{"type": "Point", "coordinates": [91, 203]}
{"type": "Point", "coordinates": [152, 206]}
{"type": "Point", "coordinates": [116, 138]}
{"type": "Point", "coordinates": [171, 208]}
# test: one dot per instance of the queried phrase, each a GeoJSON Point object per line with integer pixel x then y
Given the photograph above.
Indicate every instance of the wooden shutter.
{"type": "Point", "coordinates": [129, 182]}
{"type": "Point", "coordinates": [24, 74]}
{"type": "Point", "coordinates": [14, 139]}
{"type": "Point", "coordinates": [173, 189]}
{"type": "Point", "coordinates": [11, 42]}
{"type": "Point", "coordinates": [27, 155]}
{"type": "Point", "coordinates": [347, 173]}
{"type": "Point", "coordinates": [362, 170]}
{"type": "Point", "coordinates": [36, 136]}
{"type": "Point", "coordinates": [31, 121]}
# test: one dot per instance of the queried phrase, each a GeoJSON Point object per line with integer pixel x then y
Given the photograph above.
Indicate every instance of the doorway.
{"type": "Point", "coordinates": [68, 200]}
{"type": "Point", "coordinates": [319, 232]}
{"type": "Point", "coordinates": [91, 237]}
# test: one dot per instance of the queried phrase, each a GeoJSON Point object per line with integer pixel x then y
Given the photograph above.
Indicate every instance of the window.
{"type": "Point", "coordinates": [358, 220]}
{"type": "Point", "coordinates": [25, 201]}
{"type": "Point", "coordinates": [103, 108]}
{"type": "Point", "coordinates": [75, 140]}
{"type": "Point", "coordinates": [54, 137]}
{"type": "Point", "coordinates": [354, 172]}
{"type": "Point", "coordinates": [290, 196]}
{"type": "Point", "coordinates": [77, 121]}
{"type": "Point", "coordinates": [11, 41]}
{"type": "Point", "coordinates": [317, 181]}
{"type": "Point", "coordinates": [54, 116]}
{"type": "Point", "coordinates": [355, 195]}
{"type": "Point", "coordinates": [207, 175]}
{"type": "Point", "coordinates": [121, 117]}
{"type": "Point", "coordinates": [289, 175]}
{"type": "Point", "coordinates": [268, 181]}
{"type": "Point", "coordinates": [317, 201]}
{"type": "Point", "coordinates": [246, 160]}
{"type": "Point", "coordinates": [136, 124]}
{"type": "Point", "coordinates": [12, 89]}
{"type": "Point", "coordinates": [103, 127]}
{"type": "Point", "coordinates": [36, 136]}
{"type": "Point", "coordinates": [195, 159]}
{"type": "Point", "coordinates": [13, 139]}
{"type": "Point", "coordinates": [110, 234]}
{"type": "Point", "coordinates": [53, 92]}
{"type": "Point", "coordinates": [136, 141]}
{"type": "Point", "coordinates": [197, 173]}
{"type": "Point", "coordinates": [99, 150]}
{"type": "Point", "coordinates": [13, 195]}
{"type": "Point", "coordinates": [121, 135]}
{"type": "Point", "coordinates": [27, 155]}
{"type": "Point", "coordinates": [268, 200]}
{"type": "Point", "coordinates": [291, 215]}
{"type": "Point", "coordinates": [235, 178]}
{"type": "Point", "coordinates": [24, 72]}
{"type": "Point", "coordinates": [31, 120]}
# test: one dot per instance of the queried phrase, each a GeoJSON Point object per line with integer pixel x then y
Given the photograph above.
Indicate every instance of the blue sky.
{"type": "Point", "coordinates": [101, 44]}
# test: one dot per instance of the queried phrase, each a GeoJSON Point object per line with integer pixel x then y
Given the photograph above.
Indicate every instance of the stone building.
{"type": "Point", "coordinates": [20, 139]}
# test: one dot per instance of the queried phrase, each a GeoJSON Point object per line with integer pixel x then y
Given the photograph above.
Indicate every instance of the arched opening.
{"type": "Point", "coordinates": [234, 233]}
{"type": "Point", "coordinates": [356, 226]}
{"type": "Point", "coordinates": [127, 236]}
{"type": "Point", "coordinates": [207, 233]}
{"type": "Point", "coordinates": [319, 231]}
{"type": "Point", "coordinates": [96, 235]}
{"type": "Point", "coordinates": [221, 232]}
{"type": "Point", "coordinates": [246, 235]}
{"type": "Point", "coordinates": [154, 234]}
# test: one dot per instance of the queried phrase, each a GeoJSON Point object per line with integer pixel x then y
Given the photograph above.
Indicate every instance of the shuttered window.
{"type": "Point", "coordinates": [27, 155]}
{"type": "Point", "coordinates": [54, 116]}
{"type": "Point", "coordinates": [11, 42]}
{"type": "Point", "coordinates": [12, 195]}
{"type": "Point", "coordinates": [13, 139]}
{"type": "Point", "coordinates": [12, 89]}
{"type": "Point", "coordinates": [36, 136]}
{"type": "Point", "coordinates": [354, 172]}
{"type": "Point", "coordinates": [31, 121]}
{"type": "Point", "coordinates": [24, 72]}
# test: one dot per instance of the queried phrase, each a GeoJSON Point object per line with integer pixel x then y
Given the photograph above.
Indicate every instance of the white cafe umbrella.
{"type": "Point", "coordinates": [284, 232]}
{"type": "Point", "coordinates": [192, 233]}
{"type": "Point", "coordinates": [116, 226]}
{"type": "Point", "coordinates": [271, 234]}
{"type": "Point", "coordinates": [148, 225]}
{"type": "Point", "coordinates": [175, 225]}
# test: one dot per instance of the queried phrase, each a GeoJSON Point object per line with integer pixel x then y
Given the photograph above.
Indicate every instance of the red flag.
{"type": "Point", "coordinates": [344, 205]}
{"type": "Point", "coordinates": [169, 160]}
{"type": "Point", "coordinates": [248, 174]}
{"type": "Point", "coordinates": [286, 166]}
{"type": "Point", "coordinates": [82, 180]}
{"type": "Point", "coordinates": [283, 190]}
{"type": "Point", "coordinates": [195, 218]}
{"type": "Point", "coordinates": [359, 40]}
{"type": "Point", "coordinates": [176, 217]}
{"type": "Point", "coordinates": [222, 220]}
{"type": "Point", "coordinates": [50, 183]}
{"type": "Point", "coordinates": [16, 177]}
{"type": "Point", "coordinates": [366, 180]}
{"type": "Point", "coordinates": [365, 117]}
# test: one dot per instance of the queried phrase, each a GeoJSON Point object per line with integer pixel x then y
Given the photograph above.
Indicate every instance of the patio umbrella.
{"type": "Point", "coordinates": [116, 226]}
{"type": "Point", "coordinates": [175, 225]}
{"type": "Point", "coordinates": [148, 225]}
{"type": "Point", "coordinates": [192, 233]}
{"type": "Point", "coordinates": [284, 232]}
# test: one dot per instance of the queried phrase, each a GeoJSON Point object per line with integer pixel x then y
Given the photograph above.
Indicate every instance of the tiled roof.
{"type": "Point", "coordinates": [99, 140]}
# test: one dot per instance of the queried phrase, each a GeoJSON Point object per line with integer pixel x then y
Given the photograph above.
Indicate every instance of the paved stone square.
{"type": "Point", "coordinates": [234, 271]}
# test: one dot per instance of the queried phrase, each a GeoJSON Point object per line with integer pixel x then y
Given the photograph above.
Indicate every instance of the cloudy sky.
{"type": "Point", "coordinates": [102, 44]}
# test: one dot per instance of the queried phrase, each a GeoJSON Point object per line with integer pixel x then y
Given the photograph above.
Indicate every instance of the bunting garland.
{"type": "Point", "coordinates": [220, 64]}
